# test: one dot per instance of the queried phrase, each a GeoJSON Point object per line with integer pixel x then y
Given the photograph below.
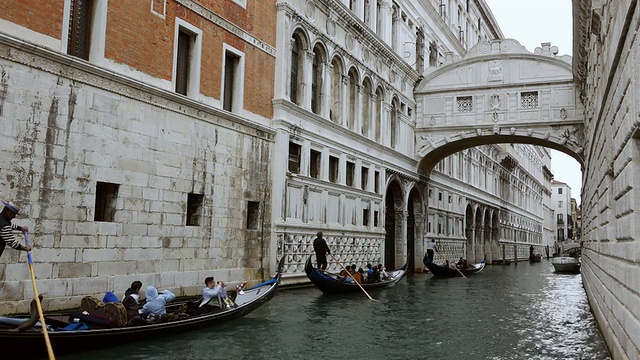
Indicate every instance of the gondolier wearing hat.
{"type": "Point", "coordinates": [7, 237]}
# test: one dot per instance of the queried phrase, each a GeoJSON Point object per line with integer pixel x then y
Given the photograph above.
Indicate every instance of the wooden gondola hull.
{"type": "Point", "coordinates": [441, 271]}
{"type": "Point", "coordinates": [31, 345]}
{"type": "Point", "coordinates": [328, 284]}
{"type": "Point", "coordinates": [535, 258]}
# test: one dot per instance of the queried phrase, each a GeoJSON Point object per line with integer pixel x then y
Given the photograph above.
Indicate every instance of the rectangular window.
{"type": "Point", "coordinates": [314, 169]}
{"type": "Point", "coordinates": [450, 199]}
{"type": "Point", "coordinates": [230, 72]}
{"type": "Point", "coordinates": [365, 217]}
{"type": "Point", "coordinates": [439, 196]}
{"type": "Point", "coordinates": [351, 169]}
{"type": "Point", "coordinates": [560, 204]}
{"type": "Point", "coordinates": [106, 196]}
{"type": "Point", "coordinates": [376, 183]}
{"type": "Point", "coordinates": [465, 104]}
{"type": "Point", "coordinates": [253, 214]}
{"type": "Point", "coordinates": [430, 194]}
{"type": "Point", "coordinates": [182, 62]}
{"type": "Point", "coordinates": [529, 99]}
{"type": "Point", "coordinates": [294, 157]}
{"type": "Point", "coordinates": [364, 178]}
{"type": "Point", "coordinates": [334, 165]}
{"type": "Point", "coordinates": [194, 209]}
{"type": "Point", "coordinates": [559, 190]}
{"type": "Point", "coordinates": [79, 35]}
{"type": "Point", "coordinates": [560, 219]}
{"type": "Point", "coordinates": [375, 218]}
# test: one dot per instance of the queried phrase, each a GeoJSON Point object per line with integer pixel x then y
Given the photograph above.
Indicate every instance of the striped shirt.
{"type": "Point", "coordinates": [6, 233]}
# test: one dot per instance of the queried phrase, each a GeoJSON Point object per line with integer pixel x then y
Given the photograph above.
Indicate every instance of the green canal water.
{"type": "Point", "coordinates": [522, 311]}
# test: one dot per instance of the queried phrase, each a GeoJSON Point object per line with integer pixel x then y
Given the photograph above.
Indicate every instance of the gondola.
{"type": "Point", "coordinates": [30, 344]}
{"type": "Point", "coordinates": [329, 284]}
{"type": "Point", "coordinates": [442, 271]}
{"type": "Point", "coordinates": [535, 258]}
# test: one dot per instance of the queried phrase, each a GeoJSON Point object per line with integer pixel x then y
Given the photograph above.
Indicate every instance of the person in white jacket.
{"type": "Point", "coordinates": [213, 290]}
{"type": "Point", "coordinates": [156, 303]}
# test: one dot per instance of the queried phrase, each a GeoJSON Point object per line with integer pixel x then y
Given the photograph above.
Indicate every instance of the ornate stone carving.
{"type": "Point", "coordinates": [310, 10]}
{"type": "Point", "coordinates": [331, 26]}
{"type": "Point", "coordinates": [563, 113]}
{"type": "Point", "coordinates": [349, 41]}
{"type": "Point", "coordinates": [495, 71]}
{"type": "Point", "coordinates": [496, 129]}
{"type": "Point", "coordinates": [513, 131]}
{"type": "Point", "coordinates": [432, 121]}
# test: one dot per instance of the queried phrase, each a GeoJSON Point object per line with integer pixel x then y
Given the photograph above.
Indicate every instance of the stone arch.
{"type": "Point", "coordinates": [366, 107]}
{"type": "Point", "coordinates": [394, 211]}
{"type": "Point", "coordinates": [378, 111]}
{"type": "Point", "coordinates": [299, 46]}
{"type": "Point", "coordinates": [317, 77]}
{"type": "Point", "coordinates": [336, 102]}
{"type": "Point", "coordinates": [477, 235]}
{"type": "Point", "coordinates": [352, 97]}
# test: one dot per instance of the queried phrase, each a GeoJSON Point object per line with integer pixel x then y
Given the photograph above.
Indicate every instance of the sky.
{"type": "Point", "coordinates": [532, 23]}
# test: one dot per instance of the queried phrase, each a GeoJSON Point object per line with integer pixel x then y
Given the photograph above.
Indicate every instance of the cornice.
{"type": "Point", "coordinates": [581, 22]}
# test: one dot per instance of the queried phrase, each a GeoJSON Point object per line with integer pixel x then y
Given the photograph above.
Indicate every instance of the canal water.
{"type": "Point", "coordinates": [522, 311]}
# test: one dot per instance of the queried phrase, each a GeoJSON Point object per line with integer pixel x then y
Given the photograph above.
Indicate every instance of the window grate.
{"type": "Point", "coordinates": [182, 63]}
{"type": "Point", "coordinates": [465, 104]}
{"type": "Point", "coordinates": [529, 99]}
{"type": "Point", "coordinates": [79, 28]}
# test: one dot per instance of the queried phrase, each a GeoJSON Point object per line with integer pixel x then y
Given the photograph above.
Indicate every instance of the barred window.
{"type": "Point", "coordinates": [465, 103]}
{"type": "Point", "coordinates": [529, 99]}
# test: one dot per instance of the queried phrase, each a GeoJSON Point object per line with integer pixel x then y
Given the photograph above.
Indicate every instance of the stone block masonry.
{"type": "Point", "coordinates": [157, 149]}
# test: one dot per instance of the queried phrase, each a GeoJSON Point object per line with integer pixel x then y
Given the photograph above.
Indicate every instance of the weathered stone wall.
{"type": "Point", "coordinates": [67, 127]}
{"type": "Point", "coordinates": [610, 198]}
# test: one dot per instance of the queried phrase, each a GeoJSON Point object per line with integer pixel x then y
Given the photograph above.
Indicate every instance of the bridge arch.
{"type": "Point", "coordinates": [499, 93]}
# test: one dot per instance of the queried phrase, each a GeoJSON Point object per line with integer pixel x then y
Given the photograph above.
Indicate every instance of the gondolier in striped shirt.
{"type": "Point", "coordinates": [7, 237]}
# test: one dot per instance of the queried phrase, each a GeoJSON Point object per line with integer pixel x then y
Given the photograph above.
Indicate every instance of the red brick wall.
{"type": "Point", "coordinates": [44, 17]}
{"type": "Point", "coordinates": [138, 38]}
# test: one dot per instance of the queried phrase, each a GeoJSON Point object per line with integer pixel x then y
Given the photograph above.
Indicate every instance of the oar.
{"type": "Point", "coordinates": [35, 292]}
{"type": "Point", "coordinates": [461, 273]}
{"type": "Point", "coordinates": [352, 278]}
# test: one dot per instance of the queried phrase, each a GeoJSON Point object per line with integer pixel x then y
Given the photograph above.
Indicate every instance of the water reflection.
{"type": "Point", "coordinates": [522, 311]}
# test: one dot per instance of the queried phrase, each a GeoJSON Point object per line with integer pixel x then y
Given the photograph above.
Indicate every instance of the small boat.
{"type": "Point", "coordinates": [443, 271]}
{"type": "Point", "coordinates": [30, 344]}
{"type": "Point", "coordinates": [330, 284]}
{"type": "Point", "coordinates": [565, 263]}
{"type": "Point", "coordinates": [535, 258]}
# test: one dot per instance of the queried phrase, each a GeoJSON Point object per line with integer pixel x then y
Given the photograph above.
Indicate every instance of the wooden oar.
{"type": "Point", "coordinates": [37, 298]}
{"type": "Point", "coordinates": [461, 273]}
{"type": "Point", "coordinates": [352, 278]}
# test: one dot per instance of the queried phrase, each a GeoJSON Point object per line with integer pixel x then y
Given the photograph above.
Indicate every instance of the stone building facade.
{"type": "Point", "coordinates": [561, 202]}
{"type": "Point", "coordinates": [137, 140]}
{"type": "Point", "coordinates": [606, 66]}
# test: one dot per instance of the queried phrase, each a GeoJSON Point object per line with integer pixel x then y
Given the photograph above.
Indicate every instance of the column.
{"type": "Point", "coordinates": [306, 82]}
{"type": "Point", "coordinates": [373, 15]}
{"type": "Point", "coordinates": [287, 68]}
{"type": "Point", "coordinates": [357, 109]}
{"type": "Point", "coordinates": [373, 125]}
{"type": "Point", "coordinates": [385, 21]}
{"type": "Point", "coordinates": [360, 9]}
{"type": "Point", "coordinates": [401, 237]}
{"type": "Point", "coordinates": [385, 124]}
{"type": "Point", "coordinates": [325, 95]}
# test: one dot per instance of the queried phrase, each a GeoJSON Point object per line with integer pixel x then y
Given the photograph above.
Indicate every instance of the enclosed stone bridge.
{"type": "Point", "coordinates": [499, 93]}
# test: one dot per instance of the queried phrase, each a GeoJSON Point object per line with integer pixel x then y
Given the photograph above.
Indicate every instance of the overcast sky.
{"type": "Point", "coordinates": [532, 23]}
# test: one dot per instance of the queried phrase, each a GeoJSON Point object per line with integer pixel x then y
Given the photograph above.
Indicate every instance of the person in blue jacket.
{"type": "Point", "coordinates": [156, 303]}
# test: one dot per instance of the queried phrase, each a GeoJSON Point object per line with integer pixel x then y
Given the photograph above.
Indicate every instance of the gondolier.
{"type": "Point", "coordinates": [431, 248]}
{"type": "Point", "coordinates": [7, 237]}
{"type": "Point", "coordinates": [322, 249]}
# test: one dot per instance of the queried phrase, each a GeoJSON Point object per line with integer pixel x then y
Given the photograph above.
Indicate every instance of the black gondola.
{"type": "Point", "coordinates": [442, 271]}
{"type": "Point", "coordinates": [535, 258]}
{"type": "Point", "coordinates": [30, 344]}
{"type": "Point", "coordinates": [329, 284]}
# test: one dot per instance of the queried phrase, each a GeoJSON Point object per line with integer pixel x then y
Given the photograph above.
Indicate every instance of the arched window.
{"type": "Point", "coordinates": [336, 91]}
{"type": "Point", "coordinates": [394, 124]}
{"type": "Point", "coordinates": [378, 114]}
{"type": "Point", "coordinates": [316, 81]}
{"type": "Point", "coordinates": [366, 108]}
{"type": "Point", "coordinates": [353, 85]}
{"type": "Point", "coordinates": [296, 66]}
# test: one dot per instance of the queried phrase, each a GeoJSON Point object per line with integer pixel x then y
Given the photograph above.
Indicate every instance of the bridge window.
{"type": "Point", "coordinates": [465, 104]}
{"type": "Point", "coordinates": [529, 99]}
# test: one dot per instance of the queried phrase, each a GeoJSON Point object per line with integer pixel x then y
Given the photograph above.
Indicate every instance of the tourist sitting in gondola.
{"type": "Point", "coordinates": [213, 295]}
{"type": "Point", "coordinates": [383, 272]}
{"type": "Point", "coordinates": [155, 307]}
{"type": "Point", "coordinates": [446, 264]}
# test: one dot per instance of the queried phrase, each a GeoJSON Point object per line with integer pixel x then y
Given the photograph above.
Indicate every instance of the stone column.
{"type": "Point", "coordinates": [360, 9]}
{"type": "Point", "coordinates": [373, 123]}
{"type": "Point", "coordinates": [401, 236]}
{"type": "Point", "coordinates": [357, 109]}
{"type": "Point", "coordinates": [373, 15]}
{"type": "Point", "coordinates": [287, 69]}
{"type": "Point", "coordinates": [325, 95]}
{"type": "Point", "coordinates": [307, 73]}
{"type": "Point", "coordinates": [385, 21]}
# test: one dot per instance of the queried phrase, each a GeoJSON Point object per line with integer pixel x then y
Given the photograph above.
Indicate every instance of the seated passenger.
{"type": "Point", "coordinates": [212, 295]}
{"type": "Point", "coordinates": [383, 272]}
{"type": "Point", "coordinates": [156, 303]}
{"type": "Point", "coordinates": [133, 291]}
{"type": "Point", "coordinates": [446, 264]}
